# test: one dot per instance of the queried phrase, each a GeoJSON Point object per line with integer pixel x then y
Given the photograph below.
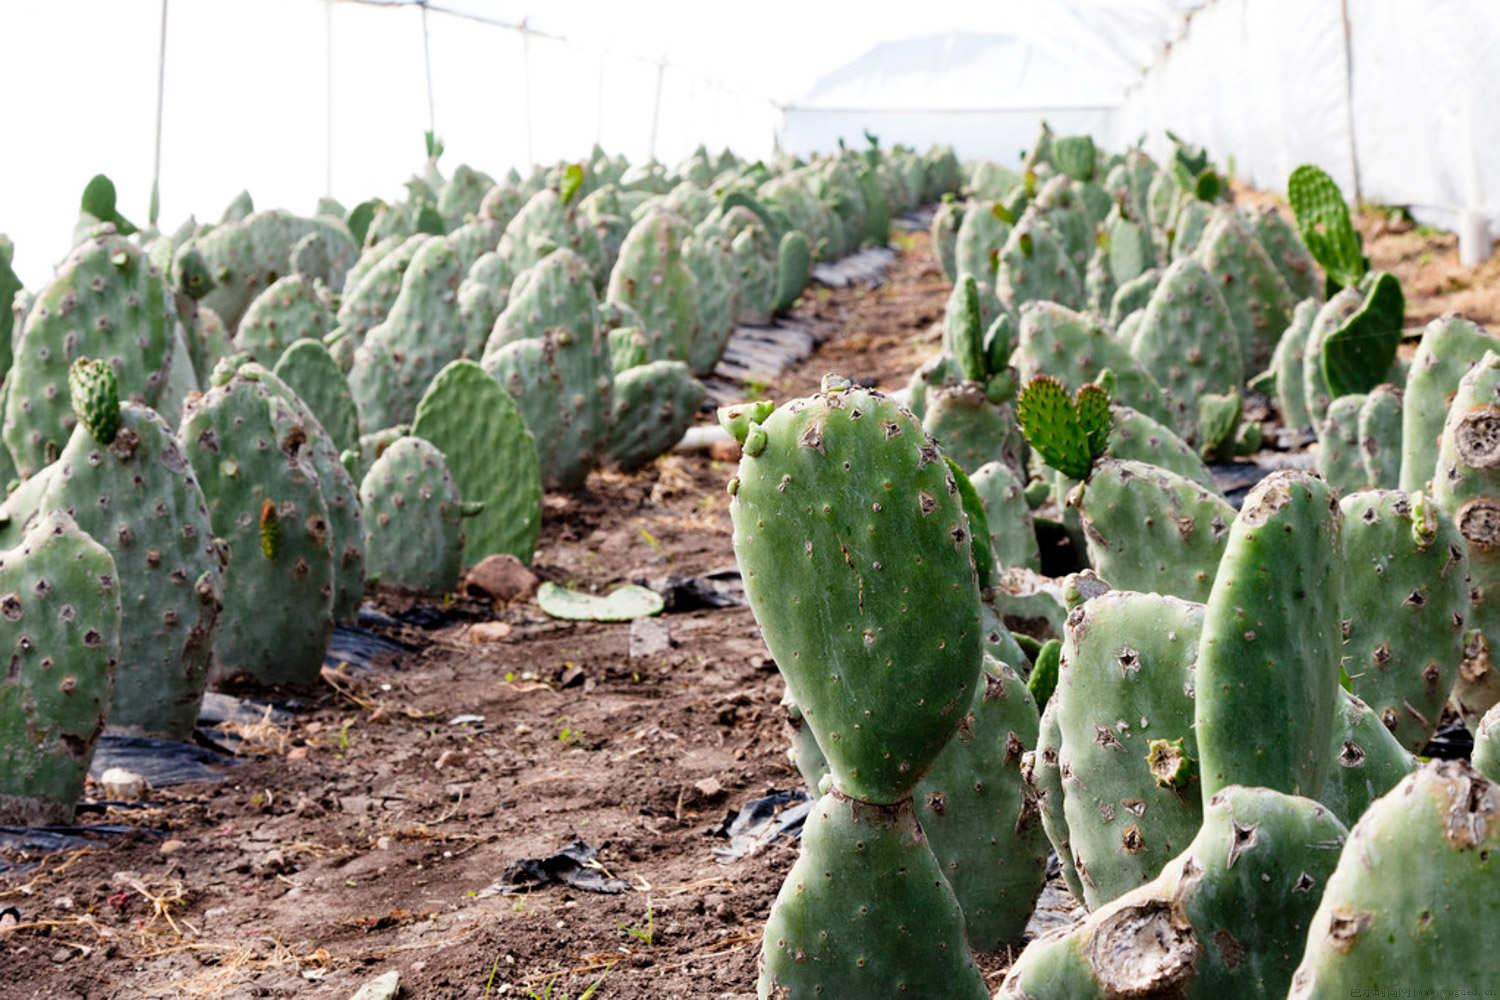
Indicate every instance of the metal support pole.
{"type": "Point", "coordinates": [328, 97]}
{"type": "Point", "coordinates": [1349, 99]}
{"type": "Point", "coordinates": [427, 57]}
{"type": "Point", "coordinates": [161, 91]}
{"type": "Point", "coordinates": [661, 71]}
{"type": "Point", "coordinates": [526, 90]}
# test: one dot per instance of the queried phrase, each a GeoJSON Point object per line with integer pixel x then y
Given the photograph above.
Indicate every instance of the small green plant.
{"type": "Point", "coordinates": [1069, 434]}
{"type": "Point", "coordinates": [646, 935]}
{"type": "Point", "coordinates": [547, 994]}
{"type": "Point", "coordinates": [1323, 220]}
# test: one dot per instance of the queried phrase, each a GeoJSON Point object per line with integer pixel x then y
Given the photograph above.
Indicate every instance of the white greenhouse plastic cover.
{"type": "Point", "coordinates": [293, 99]}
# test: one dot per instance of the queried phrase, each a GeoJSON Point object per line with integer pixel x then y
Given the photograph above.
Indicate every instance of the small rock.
{"type": "Point", "coordinates": [382, 987]}
{"type": "Point", "coordinates": [122, 786]}
{"type": "Point", "coordinates": [649, 637]}
{"type": "Point", "coordinates": [61, 955]}
{"type": "Point", "coordinates": [483, 632]}
{"type": "Point", "coordinates": [572, 676]}
{"type": "Point", "coordinates": [171, 846]}
{"type": "Point", "coordinates": [708, 787]}
{"type": "Point", "coordinates": [501, 577]}
{"type": "Point", "coordinates": [63, 902]}
{"type": "Point", "coordinates": [8, 921]}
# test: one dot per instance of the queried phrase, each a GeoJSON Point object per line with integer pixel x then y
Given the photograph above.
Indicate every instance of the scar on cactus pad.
{"type": "Point", "coordinates": [1069, 434]}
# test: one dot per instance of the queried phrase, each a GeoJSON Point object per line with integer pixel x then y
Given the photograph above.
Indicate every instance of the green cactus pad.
{"type": "Point", "coordinates": [979, 819]}
{"type": "Point", "coordinates": [308, 368]}
{"type": "Point", "coordinates": [1225, 918]}
{"type": "Point", "coordinates": [1449, 347]}
{"type": "Point", "coordinates": [972, 429]}
{"type": "Point", "coordinates": [1075, 350]}
{"type": "Point", "coordinates": [247, 446]}
{"type": "Point", "coordinates": [1357, 355]}
{"type": "Point", "coordinates": [1069, 434]}
{"type": "Point", "coordinates": [1260, 303]}
{"type": "Point", "coordinates": [1406, 606]}
{"type": "Point", "coordinates": [1318, 396]}
{"type": "Point", "coordinates": [653, 407]}
{"type": "Point", "coordinates": [138, 496]}
{"type": "Point", "coordinates": [1149, 529]}
{"type": "Point", "coordinates": [106, 302]}
{"type": "Point", "coordinates": [626, 602]}
{"type": "Point", "coordinates": [288, 310]}
{"type": "Point", "coordinates": [1426, 925]}
{"type": "Point", "coordinates": [491, 455]}
{"type": "Point", "coordinates": [1043, 776]}
{"type": "Point", "coordinates": [61, 623]}
{"type": "Point", "coordinates": [413, 519]}
{"type": "Point", "coordinates": [1323, 220]}
{"type": "Point", "coordinates": [1012, 534]}
{"type": "Point", "coordinates": [1288, 253]}
{"type": "Point", "coordinates": [1466, 484]}
{"type": "Point", "coordinates": [866, 911]}
{"type": "Point", "coordinates": [831, 583]}
{"type": "Point", "coordinates": [1367, 760]}
{"type": "Point", "coordinates": [1379, 437]}
{"type": "Point", "coordinates": [1126, 680]}
{"type": "Point", "coordinates": [1268, 667]}
{"type": "Point", "coordinates": [1339, 455]}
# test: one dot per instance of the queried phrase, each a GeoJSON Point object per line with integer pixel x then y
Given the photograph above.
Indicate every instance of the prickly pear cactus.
{"type": "Point", "coordinates": [207, 341]}
{"type": "Point", "coordinates": [482, 297]}
{"type": "Point", "coordinates": [1002, 493]}
{"type": "Point", "coordinates": [1317, 395]}
{"type": "Point", "coordinates": [1406, 935]}
{"type": "Point", "coordinates": [1286, 367]}
{"type": "Point", "coordinates": [1268, 666]}
{"type": "Point", "coordinates": [653, 278]}
{"type": "Point", "coordinates": [963, 330]}
{"type": "Point", "coordinates": [124, 481]}
{"type": "Point", "coordinates": [421, 334]}
{"type": "Point", "coordinates": [340, 494]}
{"type": "Point", "coordinates": [1073, 349]}
{"type": "Point", "coordinates": [708, 257]}
{"type": "Point", "coordinates": [248, 449]}
{"type": "Point", "coordinates": [982, 231]}
{"type": "Point", "coordinates": [880, 738]}
{"type": "Point", "coordinates": [1486, 759]}
{"type": "Point", "coordinates": [1288, 253]}
{"type": "Point", "coordinates": [545, 223]}
{"type": "Point", "coordinates": [106, 302]}
{"type": "Point", "coordinates": [1187, 341]}
{"type": "Point", "coordinates": [1380, 435]}
{"type": "Point", "coordinates": [244, 257]}
{"type": "Point", "coordinates": [973, 430]}
{"type": "Point", "coordinates": [9, 286]}
{"type": "Point", "coordinates": [756, 274]}
{"type": "Point", "coordinates": [1136, 437]}
{"type": "Point", "coordinates": [1226, 918]}
{"type": "Point", "coordinates": [843, 923]}
{"type": "Point", "coordinates": [1406, 607]}
{"type": "Point", "coordinates": [1466, 484]}
{"type": "Point", "coordinates": [1367, 760]}
{"type": "Point", "coordinates": [794, 260]}
{"type": "Point", "coordinates": [413, 517]}
{"type": "Point", "coordinates": [944, 235]}
{"type": "Point", "coordinates": [1152, 530]}
{"type": "Point", "coordinates": [1125, 682]}
{"type": "Point", "coordinates": [1068, 434]}
{"type": "Point", "coordinates": [290, 309]}
{"type": "Point", "coordinates": [1043, 776]}
{"type": "Point", "coordinates": [1339, 455]}
{"type": "Point", "coordinates": [1259, 301]}
{"type": "Point", "coordinates": [653, 406]}
{"type": "Point", "coordinates": [1323, 220]}
{"type": "Point", "coordinates": [491, 455]}
{"type": "Point", "coordinates": [61, 623]}
{"type": "Point", "coordinates": [1134, 296]}
{"type": "Point", "coordinates": [1449, 347]}
{"type": "Point", "coordinates": [314, 376]}
{"type": "Point", "coordinates": [1034, 266]}
{"type": "Point", "coordinates": [979, 817]}
{"type": "Point", "coordinates": [369, 295]}
{"type": "Point", "coordinates": [1357, 356]}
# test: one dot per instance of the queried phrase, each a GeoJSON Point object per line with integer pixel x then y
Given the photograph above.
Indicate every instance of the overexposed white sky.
{"type": "Point", "coordinates": [247, 97]}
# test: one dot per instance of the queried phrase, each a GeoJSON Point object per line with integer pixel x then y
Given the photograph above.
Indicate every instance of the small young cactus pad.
{"type": "Point", "coordinates": [1069, 434]}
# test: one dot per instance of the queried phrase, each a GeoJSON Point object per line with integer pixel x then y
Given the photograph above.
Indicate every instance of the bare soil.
{"type": "Point", "coordinates": [373, 832]}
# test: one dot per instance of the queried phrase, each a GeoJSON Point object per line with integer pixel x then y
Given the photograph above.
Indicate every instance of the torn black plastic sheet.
{"type": "Point", "coordinates": [759, 822]}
